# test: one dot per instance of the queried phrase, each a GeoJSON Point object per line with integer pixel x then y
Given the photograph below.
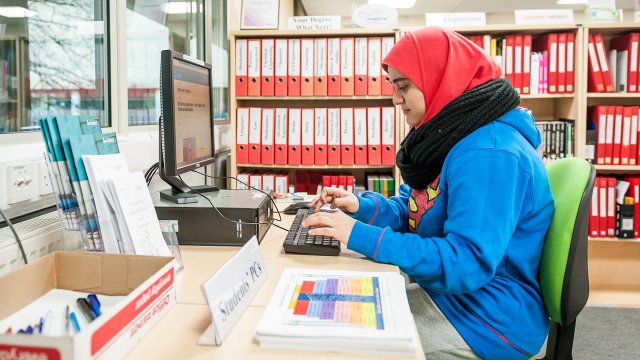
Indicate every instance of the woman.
{"type": "Point", "coordinates": [470, 222]}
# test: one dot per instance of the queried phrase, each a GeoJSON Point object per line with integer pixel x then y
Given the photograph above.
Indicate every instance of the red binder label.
{"type": "Point", "coordinates": [333, 136]}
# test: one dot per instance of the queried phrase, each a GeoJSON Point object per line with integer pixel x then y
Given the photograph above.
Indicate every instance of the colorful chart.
{"type": "Point", "coordinates": [348, 301]}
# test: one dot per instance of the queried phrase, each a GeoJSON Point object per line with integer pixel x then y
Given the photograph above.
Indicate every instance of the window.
{"type": "Point", "coordinates": [52, 62]}
{"type": "Point", "coordinates": [151, 28]}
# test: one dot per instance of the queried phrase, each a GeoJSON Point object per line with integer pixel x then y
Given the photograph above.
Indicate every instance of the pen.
{"type": "Point", "coordinates": [66, 321]}
{"type": "Point", "coordinates": [74, 321]}
{"type": "Point", "coordinates": [95, 304]}
{"type": "Point", "coordinates": [85, 308]}
{"type": "Point", "coordinates": [46, 323]}
{"type": "Point", "coordinates": [29, 330]}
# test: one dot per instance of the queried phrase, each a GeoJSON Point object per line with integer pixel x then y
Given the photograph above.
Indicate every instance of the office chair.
{"type": "Point", "coordinates": [564, 277]}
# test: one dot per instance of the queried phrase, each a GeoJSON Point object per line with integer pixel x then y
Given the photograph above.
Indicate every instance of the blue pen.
{"type": "Point", "coordinates": [29, 330]}
{"type": "Point", "coordinates": [40, 325]}
{"type": "Point", "coordinates": [74, 321]}
{"type": "Point", "coordinates": [95, 304]}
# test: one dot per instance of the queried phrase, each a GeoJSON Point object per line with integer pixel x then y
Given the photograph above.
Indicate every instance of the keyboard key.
{"type": "Point", "coordinates": [298, 240]}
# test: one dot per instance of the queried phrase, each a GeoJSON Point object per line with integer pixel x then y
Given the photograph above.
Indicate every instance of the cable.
{"type": "Point", "coordinates": [233, 221]}
{"type": "Point", "coordinates": [15, 234]}
{"type": "Point", "coordinates": [148, 176]}
{"type": "Point", "coordinates": [245, 184]}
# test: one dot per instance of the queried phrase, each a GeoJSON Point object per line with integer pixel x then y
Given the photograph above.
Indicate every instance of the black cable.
{"type": "Point", "coordinates": [148, 175]}
{"type": "Point", "coordinates": [15, 234]}
{"type": "Point", "coordinates": [233, 221]}
{"type": "Point", "coordinates": [245, 184]}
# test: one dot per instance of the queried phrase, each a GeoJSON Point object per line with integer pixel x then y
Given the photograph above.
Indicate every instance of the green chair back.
{"type": "Point", "coordinates": [564, 275]}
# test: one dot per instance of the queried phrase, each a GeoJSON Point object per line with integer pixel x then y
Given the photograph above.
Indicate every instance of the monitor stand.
{"type": "Point", "coordinates": [190, 197]}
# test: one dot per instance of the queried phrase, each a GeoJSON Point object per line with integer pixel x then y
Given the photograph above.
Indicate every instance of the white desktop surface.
{"type": "Point", "coordinates": [175, 336]}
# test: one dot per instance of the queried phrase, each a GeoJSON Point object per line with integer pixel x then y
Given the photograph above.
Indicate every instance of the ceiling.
{"type": "Point", "coordinates": [345, 7]}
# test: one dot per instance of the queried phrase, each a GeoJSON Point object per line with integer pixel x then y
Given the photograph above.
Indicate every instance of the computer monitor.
{"type": "Point", "coordinates": [186, 123]}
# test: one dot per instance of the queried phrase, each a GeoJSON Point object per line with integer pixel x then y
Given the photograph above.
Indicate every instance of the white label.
{"type": "Point", "coordinates": [626, 131]}
{"type": "Point", "coordinates": [544, 16]}
{"type": "Point", "coordinates": [333, 127]}
{"type": "Point", "coordinates": [456, 19]}
{"type": "Point", "coordinates": [307, 126]}
{"type": "Point", "coordinates": [267, 57]}
{"type": "Point", "coordinates": [241, 57]}
{"type": "Point", "coordinates": [593, 57]}
{"type": "Point", "coordinates": [281, 126]}
{"type": "Point", "coordinates": [594, 202]}
{"type": "Point", "coordinates": [254, 58]}
{"type": "Point", "coordinates": [611, 200]}
{"type": "Point", "coordinates": [609, 138]}
{"type": "Point", "coordinates": [243, 126]}
{"type": "Point", "coordinates": [518, 62]}
{"type": "Point", "coordinates": [307, 58]}
{"type": "Point", "coordinates": [281, 184]}
{"type": "Point", "coordinates": [333, 56]}
{"type": "Point", "coordinates": [618, 130]}
{"type": "Point", "coordinates": [361, 56]}
{"type": "Point", "coordinates": [561, 57]}
{"type": "Point", "coordinates": [281, 57]}
{"type": "Point", "coordinates": [387, 45]}
{"type": "Point", "coordinates": [634, 132]}
{"type": "Point", "coordinates": [388, 125]}
{"type": "Point", "coordinates": [314, 22]}
{"type": "Point", "coordinates": [268, 182]}
{"type": "Point", "coordinates": [254, 125]}
{"type": "Point", "coordinates": [321, 126]}
{"type": "Point", "coordinates": [267, 126]}
{"type": "Point", "coordinates": [230, 290]}
{"type": "Point", "coordinates": [527, 58]}
{"type": "Point", "coordinates": [509, 59]}
{"type": "Point", "coordinates": [603, 60]}
{"type": "Point", "coordinates": [346, 56]}
{"type": "Point", "coordinates": [570, 56]}
{"type": "Point", "coordinates": [294, 57]}
{"type": "Point", "coordinates": [375, 49]}
{"type": "Point", "coordinates": [602, 128]}
{"type": "Point", "coordinates": [346, 126]}
{"type": "Point", "coordinates": [320, 57]}
{"type": "Point", "coordinates": [373, 125]}
{"type": "Point", "coordinates": [294, 126]}
{"type": "Point", "coordinates": [360, 126]}
{"type": "Point", "coordinates": [553, 56]}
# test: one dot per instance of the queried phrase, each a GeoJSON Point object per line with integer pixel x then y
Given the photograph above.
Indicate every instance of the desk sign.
{"type": "Point", "coordinates": [314, 22]}
{"type": "Point", "coordinates": [230, 290]}
{"type": "Point", "coordinates": [456, 19]}
{"type": "Point", "coordinates": [544, 17]}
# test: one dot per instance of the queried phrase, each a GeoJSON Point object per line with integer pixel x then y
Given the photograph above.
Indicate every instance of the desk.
{"type": "Point", "coordinates": [175, 336]}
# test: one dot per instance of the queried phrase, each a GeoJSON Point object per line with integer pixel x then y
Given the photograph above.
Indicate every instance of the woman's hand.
{"type": "Point", "coordinates": [338, 198]}
{"type": "Point", "coordinates": [335, 224]}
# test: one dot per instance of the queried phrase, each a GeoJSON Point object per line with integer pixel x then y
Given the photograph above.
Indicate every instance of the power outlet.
{"type": "Point", "coordinates": [44, 183]}
{"type": "Point", "coordinates": [21, 182]}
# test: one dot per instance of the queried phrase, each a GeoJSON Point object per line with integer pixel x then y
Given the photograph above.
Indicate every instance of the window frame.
{"type": "Point", "coordinates": [117, 108]}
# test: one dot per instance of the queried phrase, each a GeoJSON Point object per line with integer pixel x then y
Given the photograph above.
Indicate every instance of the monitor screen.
{"type": "Point", "coordinates": [186, 125]}
{"type": "Point", "coordinates": [192, 113]}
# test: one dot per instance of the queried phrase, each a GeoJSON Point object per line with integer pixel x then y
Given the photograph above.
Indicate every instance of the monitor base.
{"type": "Point", "coordinates": [191, 197]}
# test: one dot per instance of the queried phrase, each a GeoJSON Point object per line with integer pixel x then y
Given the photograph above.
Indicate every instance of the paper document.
{"type": "Point", "coordinates": [344, 311]}
{"type": "Point", "coordinates": [136, 216]}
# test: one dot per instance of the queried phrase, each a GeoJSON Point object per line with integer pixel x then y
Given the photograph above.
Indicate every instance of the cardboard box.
{"type": "Point", "coordinates": [146, 282]}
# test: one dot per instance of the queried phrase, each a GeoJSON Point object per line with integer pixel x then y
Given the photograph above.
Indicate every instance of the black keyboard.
{"type": "Point", "coordinates": [298, 240]}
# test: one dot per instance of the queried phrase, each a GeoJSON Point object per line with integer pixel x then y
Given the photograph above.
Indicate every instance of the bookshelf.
{"type": "Point", "coordinates": [359, 171]}
{"type": "Point", "coordinates": [613, 263]}
{"type": "Point", "coordinates": [12, 116]}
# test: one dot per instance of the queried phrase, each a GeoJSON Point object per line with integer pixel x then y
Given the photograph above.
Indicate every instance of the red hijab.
{"type": "Point", "coordinates": [442, 64]}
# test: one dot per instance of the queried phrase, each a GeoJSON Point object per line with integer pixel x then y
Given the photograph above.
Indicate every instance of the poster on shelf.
{"type": "Point", "coordinates": [259, 14]}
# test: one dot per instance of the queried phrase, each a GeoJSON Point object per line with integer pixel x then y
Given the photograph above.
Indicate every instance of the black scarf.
{"type": "Point", "coordinates": [423, 151]}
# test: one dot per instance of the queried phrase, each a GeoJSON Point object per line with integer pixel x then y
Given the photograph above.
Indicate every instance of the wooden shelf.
{"type": "Point", "coordinates": [616, 240]}
{"type": "Point", "coordinates": [618, 168]}
{"type": "Point", "coordinates": [613, 28]}
{"type": "Point", "coordinates": [596, 95]}
{"type": "Point", "coordinates": [511, 29]}
{"type": "Point", "coordinates": [311, 33]}
{"type": "Point", "coordinates": [317, 167]}
{"type": "Point", "coordinates": [547, 96]}
{"type": "Point", "coordinates": [313, 98]}
{"type": "Point", "coordinates": [614, 295]}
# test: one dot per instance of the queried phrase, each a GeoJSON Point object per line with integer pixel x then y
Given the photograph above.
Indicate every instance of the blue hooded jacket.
{"type": "Point", "coordinates": [473, 239]}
